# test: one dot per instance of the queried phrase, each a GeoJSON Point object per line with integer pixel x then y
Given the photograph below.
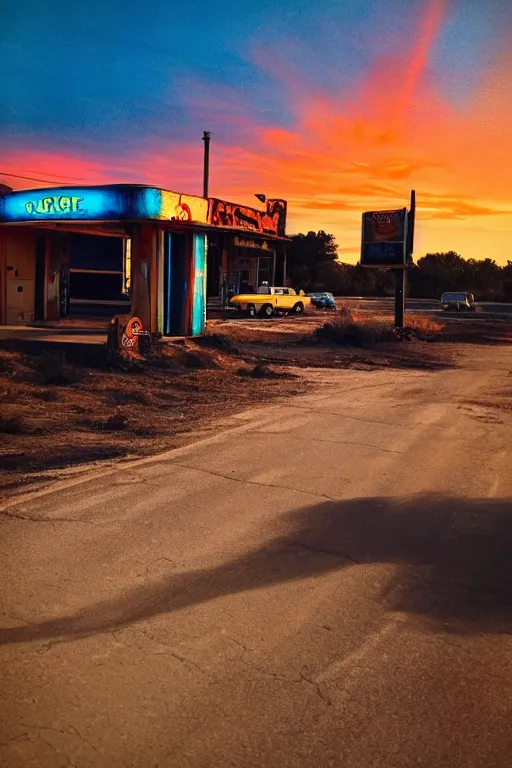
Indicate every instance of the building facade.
{"type": "Point", "coordinates": [115, 249]}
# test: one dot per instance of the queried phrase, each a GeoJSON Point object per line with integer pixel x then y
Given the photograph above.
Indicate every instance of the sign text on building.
{"type": "Point", "coordinates": [56, 204]}
{"type": "Point", "coordinates": [243, 242]}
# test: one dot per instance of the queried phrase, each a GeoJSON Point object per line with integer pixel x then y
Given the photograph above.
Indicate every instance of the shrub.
{"type": "Point", "coordinates": [127, 397]}
{"type": "Point", "coordinates": [6, 366]}
{"type": "Point", "coordinates": [217, 341]}
{"type": "Point", "coordinates": [424, 324]}
{"type": "Point", "coordinates": [115, 423]}
{"type": "Point", "coordinates": [361, 333]}
{"type": "Point", "coordinates": [200, 359]}
{"type": "Point", "coordinates": [346, 313]}
{"type": "Point", "coordinates": [261, 371]}
{"type": "Point", "coordinates": [346, 333]}
{"type": "Point", "coordinates": [53, 371]}
{"type": "Point", "coordinates": [127, 360]}
{"type": "Point", "coordinates": [47, 395]}
{"type": "Point", "coordinates": [11, 424]}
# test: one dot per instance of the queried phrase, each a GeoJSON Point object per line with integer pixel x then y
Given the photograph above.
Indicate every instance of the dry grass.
{"type": "Point", "coordinates": [425, 324]}
{"type": "Point", "coordinates": [94, 412]}
{"type": "Point", "coordinates": [11, 424]}
{"type": "Point", "coordinates": [350, 329]}
{"type": "Point", "coordinates": [74, 405]}
{"type": "Point", "coordinates": [294, 341]}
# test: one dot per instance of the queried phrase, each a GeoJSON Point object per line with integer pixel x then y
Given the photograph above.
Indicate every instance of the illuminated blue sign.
{"type": "Point", "coordinates": [111, 202]}
{"type": "Point", "coordinates": [64, 204]}
{"type": "Point", "coordinates": [105, 203]}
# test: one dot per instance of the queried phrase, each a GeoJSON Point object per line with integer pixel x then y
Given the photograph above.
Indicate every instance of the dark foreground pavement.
{"type": "Point", "coordinates": [326, 583]}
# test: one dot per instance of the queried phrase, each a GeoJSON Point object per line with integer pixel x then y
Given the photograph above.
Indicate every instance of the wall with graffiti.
{"type": "Point", "coordinates": [113, 202]}
{"type": "Point", "coordinates": [272, 221]}
{"type": "Point", "coordinates": [178, 207]}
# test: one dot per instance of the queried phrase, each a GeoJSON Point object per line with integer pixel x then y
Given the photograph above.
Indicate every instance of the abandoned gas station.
{"type": "Point", "coordinates": [125, 248]}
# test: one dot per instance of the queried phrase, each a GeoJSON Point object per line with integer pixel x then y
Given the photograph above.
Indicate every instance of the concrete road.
{"type": "Point", "coordinates": [324, 583]}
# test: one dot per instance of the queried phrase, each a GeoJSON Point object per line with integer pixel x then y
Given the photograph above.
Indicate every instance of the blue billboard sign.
{"type": "Point", "coordinates": [384, 238]}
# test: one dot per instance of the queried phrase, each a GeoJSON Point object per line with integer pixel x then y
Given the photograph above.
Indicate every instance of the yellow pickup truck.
{"type": "Point", "coordinates": [270, 300]}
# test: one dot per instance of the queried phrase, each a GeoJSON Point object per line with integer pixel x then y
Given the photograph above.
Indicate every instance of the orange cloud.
{"type": "Point", "coordinates": [431, 26]}
{"type": "Point", "coordinates": [343, 154]}
{"type": "Point", "coordinates": [397, 132]}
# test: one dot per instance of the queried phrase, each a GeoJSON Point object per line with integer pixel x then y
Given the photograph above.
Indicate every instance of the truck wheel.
{"type": "Point", "coordinates": [267, 310]}
{"type": "Point", "coordinates": [251, 310]}
{"type": "Point", "coordinates": [298, 308]}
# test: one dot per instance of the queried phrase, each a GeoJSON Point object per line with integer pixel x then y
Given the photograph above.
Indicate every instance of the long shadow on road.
{"type": "Point", "coordinates": [452, 559]}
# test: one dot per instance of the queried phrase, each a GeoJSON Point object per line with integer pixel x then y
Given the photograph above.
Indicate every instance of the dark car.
{"type": "Point", "coordinates": [458, 301]}
{"type": "Point", "coordinates": [323, 300]}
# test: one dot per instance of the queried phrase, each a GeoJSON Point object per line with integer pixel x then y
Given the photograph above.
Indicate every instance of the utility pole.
{"type": "Point", "coordinates": [206, 167]}
{"type": "Point", "coordinates": [410, 227]}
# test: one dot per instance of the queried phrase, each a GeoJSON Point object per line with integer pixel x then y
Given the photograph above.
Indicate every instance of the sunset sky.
{"type": "Point", "coordinates": [337, 106]}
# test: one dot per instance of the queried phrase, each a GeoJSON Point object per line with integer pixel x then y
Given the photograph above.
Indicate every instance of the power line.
{"type": "Point", "coordinates": [32, 178]}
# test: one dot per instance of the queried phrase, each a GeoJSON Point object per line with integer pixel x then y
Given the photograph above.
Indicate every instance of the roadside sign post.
{"type": "Point", "coordinates": [387, 242]}
{"type": "Point", "coordinates": [400, 289]}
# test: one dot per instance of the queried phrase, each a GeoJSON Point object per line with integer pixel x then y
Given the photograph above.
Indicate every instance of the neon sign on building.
{"type": "Point", "coordinates": [104, 203]}
{"type": "Point", "coordinates": [56, 204]}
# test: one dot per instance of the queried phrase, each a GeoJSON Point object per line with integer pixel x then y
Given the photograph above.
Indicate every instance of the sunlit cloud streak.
{"type": "Point", "coordinates": [337, 150]}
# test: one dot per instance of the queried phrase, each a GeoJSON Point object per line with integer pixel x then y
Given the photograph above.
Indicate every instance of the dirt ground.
{"type": "Point", "coordinates": [65, 406]}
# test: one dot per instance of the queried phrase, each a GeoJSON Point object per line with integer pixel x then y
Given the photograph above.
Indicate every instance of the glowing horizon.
{"type": "Point", "coordinates": [333, 147]}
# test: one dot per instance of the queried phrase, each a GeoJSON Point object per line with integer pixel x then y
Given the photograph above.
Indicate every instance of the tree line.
{"type": "Point", "coordinates": [313, 265]}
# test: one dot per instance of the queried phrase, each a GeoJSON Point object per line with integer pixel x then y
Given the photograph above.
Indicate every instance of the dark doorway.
{"type": "Point", "coordinates": [213, 272]}
{"type": "Point", "coordinates": [97, 274]}
{"type": "Point", "coordinates": [177, 275]}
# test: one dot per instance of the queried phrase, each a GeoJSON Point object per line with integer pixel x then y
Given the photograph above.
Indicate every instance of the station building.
{"type": "Point", "coordinates": [128, 248]}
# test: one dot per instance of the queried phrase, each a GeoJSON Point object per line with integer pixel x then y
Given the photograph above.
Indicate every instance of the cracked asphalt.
{"type": "Point", "coordinates": [326, 582]}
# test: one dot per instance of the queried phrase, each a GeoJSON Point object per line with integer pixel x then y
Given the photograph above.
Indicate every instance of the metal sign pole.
{"type": "Point", "coordinates": [401, 274]}
{"type": "Point", "coordinates": [399, 297]}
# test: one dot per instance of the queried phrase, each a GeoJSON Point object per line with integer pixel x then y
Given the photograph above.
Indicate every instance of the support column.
{"type": "Point", "coordinates": [145, 276]}
{"type": "Point", "coordinates": [199, 285]}
{"type": "Point", "coordinates": [224, 262]}
{"type": "Point", "coordinates": [3, 279]}
{"type": "Point", "coordinates": [160, 280]}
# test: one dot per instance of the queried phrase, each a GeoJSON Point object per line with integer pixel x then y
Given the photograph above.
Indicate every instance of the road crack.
{"type": "Point", "coordinates": [57, 751]}
{"type": "Point", "coordinates": [322, 551]}
{"type": "Point", "coordinates": [18, 516]}
{"type": "Point", "coordinates": [339, 442]}
{"type": "Point", "coordinates": [320, 692]}
{"type": "Point", "coordinates": [187, 662]}
{"type": "Point", "coordinates": [281, 676]}
{"type": "Point", "coordinates": [255, 482]}
{"type": "Point", "coordinates": [241, 645]}
{"type": "Point", "coordinates": [69, 730]}
{"type": "Point", "coordinates": [353, 418]}
{"type": "Point", "coordinates": [167, 650]}
{"type": "Point", "coordinates": [268, 673]}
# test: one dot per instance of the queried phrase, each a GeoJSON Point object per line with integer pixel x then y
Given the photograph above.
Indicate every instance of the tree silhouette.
{"type": "Point", "coordinates": [313, 265]}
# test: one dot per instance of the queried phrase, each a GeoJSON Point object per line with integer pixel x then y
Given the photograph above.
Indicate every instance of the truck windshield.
{"type": "Point", "coordinates": [454, 297]}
